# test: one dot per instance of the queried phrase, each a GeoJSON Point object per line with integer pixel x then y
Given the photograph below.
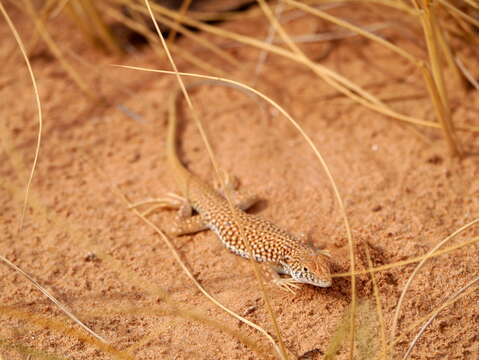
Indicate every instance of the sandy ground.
{"type": "Point", "coordinates": [402, 192]}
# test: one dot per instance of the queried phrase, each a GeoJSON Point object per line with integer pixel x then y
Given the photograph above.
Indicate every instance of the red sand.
{"type": "Point", "coordinates": [402, 192]}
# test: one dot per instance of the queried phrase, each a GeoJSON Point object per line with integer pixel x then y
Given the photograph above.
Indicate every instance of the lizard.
{"type": "Point", "coordinates": [282, 252]}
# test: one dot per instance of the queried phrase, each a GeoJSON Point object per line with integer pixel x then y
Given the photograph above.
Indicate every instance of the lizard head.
{"type": "Point", "coordinates": [310, 267]}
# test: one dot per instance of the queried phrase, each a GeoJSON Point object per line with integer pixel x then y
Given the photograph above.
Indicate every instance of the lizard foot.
{"type": "Point", "coordinates": [230, 182]}
{"type": "Point", "coordinates": [287, 284]}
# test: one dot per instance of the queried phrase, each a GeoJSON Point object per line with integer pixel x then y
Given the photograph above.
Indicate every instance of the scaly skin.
{"type": "Point", "coordinates": [269, 243]}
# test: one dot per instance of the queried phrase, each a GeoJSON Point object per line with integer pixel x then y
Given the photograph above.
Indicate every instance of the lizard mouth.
{"type": "Point", "coordinates": [315, 282]}
{"type": "Point", "coordinates": [324, 283]}
{"type": "Point", "coordinates": [319, 283]}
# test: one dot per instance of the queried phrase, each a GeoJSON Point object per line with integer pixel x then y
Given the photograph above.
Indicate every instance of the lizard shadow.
{"type": "Point", "coordinates": [341, 287]}
{"type": "Point", "coordinates": [258, 207]}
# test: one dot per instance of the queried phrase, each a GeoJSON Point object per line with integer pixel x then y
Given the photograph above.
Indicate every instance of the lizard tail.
{"type": "Point", "coordinates": [179, 171]}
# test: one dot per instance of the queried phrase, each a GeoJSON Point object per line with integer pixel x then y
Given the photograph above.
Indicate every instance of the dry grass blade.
{"type": "Point", "coordinates": [379, 311]}
{"type": "Point", "coordinates": [32, 42]}
{"type": "Point", "coordinates": [281, 350]}
{"type": "Point", "coordinates": [332, 78]}
{"type": "Point", "coordinates": [102, 29]}
{"type": "Point", "coordinates": [129, 277]}
{"type": "Point", "coordinates": [399, 5]}
{"type": "Point", "coordinates": [333, 35]}
{"type": "Point", "coordinates": [423, 319]}
{"type": "Point", "coordinates": [183, 9]}
{"type": "Point", "coordinates": [28, 352]}
{"type": "Point", "coordinates": [59, 8]}
{"type": "Point", "coordinates": [176, 26]}
{"type": "Point", "coordinates": [191, 276]}
{"type": "Point", "coordinates": [78, 237]}
{"type": "Point", "coordinates": [124, 274]}
{"type": "Point", "coordinates": [436, 87]}
{"type": "Point", "coordinates": [436, 84]}
{"type": "Point", "coordinates": [450, 299]}
{"type": "Point", "coordinates": [75, 11]}
{"type": "Point", "coordinates": [462, 14]}
{"type": "Point", "coordinates": [473, 3]}
{"type": "Point", "coordinates": [39, 110]}
{"type": "Point", "coordinates": [366, 329]}
{"type": "Point", "coordinates": [467, 74]}
{"type": "Point", "coordinates": [416, 270]}
{"type": "Point", "coordinates": [199, 40]}
{"type": "Point", "coordinates": [185, 314]}
{"type": "Point", "coordinates": [446, 49]}
{"type": "Point", "coordinates": [342, 329]}
{"type": "Point", "coordinates": [153, 41]}
{"type": "Point", "coordinates": [173, 309]}
{"type": "Point", "coordinates": [296, 50]}
{"type": "Point", "coordinates": [269, 40]}
{"type": "Point", "coordinates": [411, 260]}
{"type": "Point", "coordinates": [42, 30]}
{"type": "Point", "coordinates": [52, 299]}
{"type": "Point", "coordinates": [48, 323]}
{"type": "Point", "coordinates": [356, 29]}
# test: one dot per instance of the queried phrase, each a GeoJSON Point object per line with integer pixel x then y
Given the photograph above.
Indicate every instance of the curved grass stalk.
{"type": "Point", "coordinates": [462, 14]}
{"type": "Point", "coordinates": [379, 311]}
{"type": "Point", "coordinates": [185, 269]}
{"type": "Point", "coordinates": [124, 275]}
{"type": "Point", "coordinates": [395, 4]}
{"type": "Point", "coordinates": [52, 299]}
{"type": "Point", "coordinates": [281, 349]}
{"type": "Point", "coordinates": [279, 108]}
{"type": "Point", "coordinates": [296, 50]}
{"type": "Point", "coordinates": [176, 26]}
{"type": "Point", "coordinates": [332, 78]}
{"type": "Point", "coordinates": [42, 30]}
{"type": "Point", "coordinates": [39, 110]}
{"type": "Point", "coordinates": [153, 40]}
{"type": "Point", "coordinates": [434, 83]}
{"type": "Point", "coordinates": [423, 319]}
{"type": "Point", "coordinates": [183, 10]}
{"type": "Point", "coordinates": [48, 323]}
{"type": "Point", "coordinates": [184, 314]}
{"type": "Point", "coordinates": [356, 29]}
{"type": "Point", "coordinates": [449, 301]}
{"type": "Point", "coordinates": [28, 352]}
{"type": "Point", "coordinates": [416, 270]}
{"type": "Point", "coordinates": [411, 260]}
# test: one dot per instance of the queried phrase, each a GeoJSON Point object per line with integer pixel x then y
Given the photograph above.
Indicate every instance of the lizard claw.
{"type": "Point", "coordinates": [286, 284]}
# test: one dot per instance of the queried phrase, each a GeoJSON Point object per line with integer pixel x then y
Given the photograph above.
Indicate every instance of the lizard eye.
{"type": "Point", "coordinates": [305, 269]}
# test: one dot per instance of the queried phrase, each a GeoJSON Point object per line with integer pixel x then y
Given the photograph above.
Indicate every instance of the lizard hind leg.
{"type": "Point", "coordinates": [230, 182]}
{"type": "Point", "coordinates": [243, 199]}
{"type": "Point", "coordinates": [185, 226]}
{"type": "Point", "coordinates": [240, 198]}
{"type": "Point", "coordinates": [184, 223]}
{"type": "Point", "coordinates": [170, 201]}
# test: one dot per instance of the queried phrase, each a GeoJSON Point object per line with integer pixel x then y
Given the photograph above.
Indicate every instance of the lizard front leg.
{"type": "Point", "coordinates": [286, 284]}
